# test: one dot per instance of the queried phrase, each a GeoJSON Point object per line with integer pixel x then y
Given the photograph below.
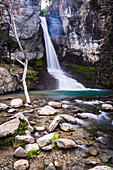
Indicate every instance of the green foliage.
{"type": "Point", "coordinates": [94, 4]}
{"type": "Point", "coordinates": [31, 78]}
{"type": "Point", "coordinates": [36, 63]}
{"type": "Point", "coordinates": [9, 140]}
{"type": "Point", "coordinates": [32, 154]}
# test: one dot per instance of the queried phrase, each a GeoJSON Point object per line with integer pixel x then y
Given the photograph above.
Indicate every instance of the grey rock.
{"type": "Point", "coordinates": [66, 127]}
{"type": "Point", "coordinates": [101, 168]}
{"type": "Point", "coordinates": [47, 148]}
{"type": "Point", "coordinates": [9, 128]}
{"type": "Point", "coordinates": [45, 140]}
{"type": "Point", "coordinates": [20, 115]}
{"type": "Point", "coordinates": [47, 110]}
{"type": "Point", "coordinates": [31, 147]}
{"type": "Point", "coordinates": [61, 118]}
{"type": "Point", "coordinates": [40, 128]}
{"type": "Point", "coordinates": [55, 104]}
{"type": "Point", "coordinates": [21, 164]}
{"type": "Point", "coordinates": [3, 106]}
{"type": "Point", "coordinates": [7, 82]}
{"type": "Point", "coordinates": [11, 110]}
{"type": "Point", "coordinates": [26, 138]}
{"type": "Point", "coordinates": [54, 123]}
{"type": "Point", "coordinates": [30, 128]}
{"type": "Point", "coordinates": [92, 160]}
{"type": "Point", "coordinates": [65, 143]}
{"type": "Point", "coordinates": [16, 103]}
{"type": "Point", "coordinates": [20, 153]}
{"type": "Point", "coordinates": [81, 116]}
{"type": "Point", "coordinates": [68, 118]}
{"type": "Point", "coordinates": [107, 107]}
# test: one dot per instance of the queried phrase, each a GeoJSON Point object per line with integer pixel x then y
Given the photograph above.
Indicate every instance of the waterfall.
{"type": "Point", "coordinates": [64, 82]}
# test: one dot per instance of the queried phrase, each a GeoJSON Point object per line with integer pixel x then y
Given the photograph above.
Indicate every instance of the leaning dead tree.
{"type": "Point", "coordinates": [25, 64]}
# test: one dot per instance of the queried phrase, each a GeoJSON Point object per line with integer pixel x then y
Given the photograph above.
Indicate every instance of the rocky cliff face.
{"type": "Point", "coordinates": [85, 24]}
{"type": "Point", "coordinates": [26, 15]}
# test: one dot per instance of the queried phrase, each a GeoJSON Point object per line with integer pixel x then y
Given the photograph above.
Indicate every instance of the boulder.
{"type": "Point", "coordinates": [16, 103]}
{"type": "Point", "coordinates": [45, 140]}
{"type": "Point", "coordinates": [55, 104]}
{"type": "Point", "coordinates": [101, 168]}
{"type": "Point", "coordinates": [3, 106]}
{"type": "Point", "coordinates": [47, 148]}
{"type": "Point", "coordinates": [26, 138]}
{"type": "Point", "coordinates": [107, 107]}
{"type": "Point", "coordinates": [61, 118]}
{"type": "Point", "coordinates": [81, 116]}
{"type": "Point", "coordinates": [47, 110]}
{"type": "Point", "coordinates": [65, 143]}
{"type": "Point", "coordinates": [31, 147]}
{"type": "Point", "coordinates": [68, 118]}
{"type": "Point", "coordinates": [20, 115]}
{"type": "Point", "coordinates": [11, 110]}
{"type": "Point", "coordinates": [21, 164]}
{"type": "Point", "coordinates": [66, 127]}
{"type": "Point", "coordinates": [9, 128]}
{"type": "Point", "coordinates": [55, 123]}
{"type": "Point", "coordinates": [20, 153]}
{"type": "Point", "coordinates": [40, 128]}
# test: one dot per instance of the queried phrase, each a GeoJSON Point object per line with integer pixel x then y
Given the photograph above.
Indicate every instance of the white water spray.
{"type": "Point", "coordinates": [53, 66]}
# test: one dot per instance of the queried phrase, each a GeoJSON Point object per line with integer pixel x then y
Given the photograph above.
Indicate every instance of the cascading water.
{"type": "Point", "coordinates": [53, 66]}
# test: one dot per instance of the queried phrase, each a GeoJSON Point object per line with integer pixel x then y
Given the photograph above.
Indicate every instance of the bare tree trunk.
{"type": "Point", "coordinates": [24, 82]}
{"type": "Point", "coordinates": [13, 25]}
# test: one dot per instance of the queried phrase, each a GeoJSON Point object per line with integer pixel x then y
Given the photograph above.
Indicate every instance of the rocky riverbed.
{"type": "Point", "coordinates": [66, 134]}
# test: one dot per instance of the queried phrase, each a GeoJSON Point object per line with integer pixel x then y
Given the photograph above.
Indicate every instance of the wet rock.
{"type": "Point", "coordinates": [65, 106]}
{"type": "Point", "coordinates": [61, 118]}
{"type": "Point", "coordinates": [27, 138]}
{"type": "Point", "coordinates": [93, 152]}
{"type": "Point", "coordinates": [77, 110]}
{"type": "Point", "coordinates": [30, 128]}
{"type": "Point", "coordinates": [11, 110]}
{"type": "Point", "coordinates": [40, 128]}
{"type": "Point", "coordinates": [20, 115]}
{"type": "Point", "coordinates": [66, 127]}
{"type": "Point", "coordinates": [31, 147]}
{"type": "Point", "coordinates": [92, 160]}
{"type": "Point", "coordinates": [65, 143]}
{"type": "Point", "coordinates": [81, 116]}
{"type": "Point", "coordinates": [55, 104]}
{"type": "Point", "coordinates": [9, 128]}
{"type": "Point", "coordinates": [3, 106]}
{"type": "Point", "coordinates": [55, 123]}
{"type": "Point", "coordinates": [47, 110]}
{"type": "Point", "coordinates": [45, 140]}
{"type": "Point", "coordinates": [21, 164]}
{"type": "Point", "coordinates": [101, 168]}
{"type": "Point", "coordinates": [107, 107]}
{"type": "Point", "coordinates": [47, 148]}
{"type": "Point", "coordinates": [68, 118]}
{"type": "Point", "coordinates": [20, 153]}
{"type": "Point", "coordinates": [16, 103]}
